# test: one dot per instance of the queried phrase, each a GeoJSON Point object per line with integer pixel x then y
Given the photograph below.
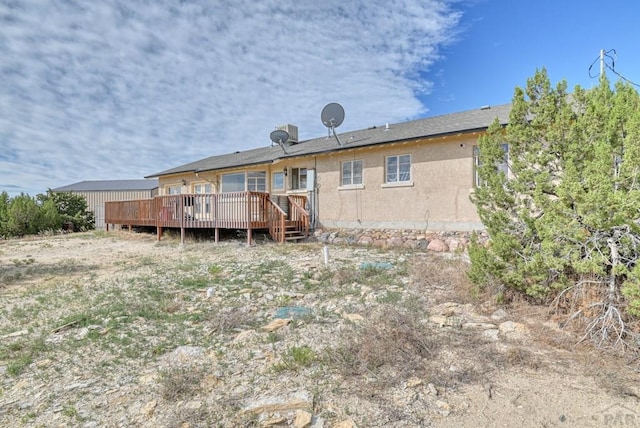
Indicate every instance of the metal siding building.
{"type": "Point", "coordinates": [98, 192]}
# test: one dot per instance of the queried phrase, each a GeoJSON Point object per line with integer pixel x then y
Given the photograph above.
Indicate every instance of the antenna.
{"type": "Point", "coordinates": [332, 116]}
{"type": "Point", "coordinates": [279, 136]}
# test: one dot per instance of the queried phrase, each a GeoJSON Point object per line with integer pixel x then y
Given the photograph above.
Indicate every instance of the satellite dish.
{"type": "Point", "coordinates": [279, 136]}
{"type": "Point", "coordinates": [332, 116]}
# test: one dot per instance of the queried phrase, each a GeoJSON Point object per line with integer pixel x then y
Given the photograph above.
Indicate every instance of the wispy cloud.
{"type": "Point", "coordinates": [125, 88]}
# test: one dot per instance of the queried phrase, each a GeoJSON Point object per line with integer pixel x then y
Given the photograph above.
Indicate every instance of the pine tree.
{"type": "Point", "coordinates": [565, 221]}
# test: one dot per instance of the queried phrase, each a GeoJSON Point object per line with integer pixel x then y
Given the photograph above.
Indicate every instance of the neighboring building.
{"type": "Point", "coordinates": [98, 192]}
{"type": "Point", "coordinates": [414, 175]}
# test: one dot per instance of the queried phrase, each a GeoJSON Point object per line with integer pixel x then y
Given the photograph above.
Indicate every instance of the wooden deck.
{"type": "Point", "coordinates": [237, 210]}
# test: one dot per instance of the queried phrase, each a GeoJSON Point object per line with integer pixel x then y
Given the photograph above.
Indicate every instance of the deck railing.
{"type": "Point", "coordinates": [234, 210]}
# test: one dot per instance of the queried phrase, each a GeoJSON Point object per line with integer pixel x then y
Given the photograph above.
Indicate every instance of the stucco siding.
{"type": "Point", "coordinates": [437, 197]}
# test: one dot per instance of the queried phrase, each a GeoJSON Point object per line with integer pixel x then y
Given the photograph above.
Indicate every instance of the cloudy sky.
{"type": "Point", "coordinates": [116, 89]}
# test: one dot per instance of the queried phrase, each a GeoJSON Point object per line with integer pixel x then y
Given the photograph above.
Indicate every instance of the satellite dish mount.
{"type": "Point", "coordinates": [280, 137]}
{"type": "Point", "coordinates": [332, 116]}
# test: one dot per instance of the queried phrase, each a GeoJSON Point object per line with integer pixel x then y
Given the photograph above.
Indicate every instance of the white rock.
{"type": "Point", "coordinates": [491, 334]}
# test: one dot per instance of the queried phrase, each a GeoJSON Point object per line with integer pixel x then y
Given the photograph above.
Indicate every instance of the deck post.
{"type": "Point", "coordinates": [182, 219]}
{"type": "Point", "coordinates": [249, 235]}
{"type": "Point", "coordinates": [159, 232]}
{"type": "Point", "coordinates": [217, 234]}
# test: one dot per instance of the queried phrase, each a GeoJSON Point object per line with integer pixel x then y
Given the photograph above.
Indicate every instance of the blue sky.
{"type": "Point", "coordinates": [115, 89]}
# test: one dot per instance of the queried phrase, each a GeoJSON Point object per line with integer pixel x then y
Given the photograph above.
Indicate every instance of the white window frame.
{"type": "Point", "coordinates": [298, 179]}
{"type": "Point", "coordinates": [398, 178]}
{"type": "Point", "coordinates": [175, 189]}
{"type": "Point", "coordinates": [222, 183]}
{"type": "Point", "coordinates": [256, 181]}
{"type": "Point", "coordinates": [502, 166]}
{"type": "Point", "coordinates": [277, 180]}
{"type": "Point", "coordinates": [202, 189]}
{"type": "Point", "coordinates": [350, 177]}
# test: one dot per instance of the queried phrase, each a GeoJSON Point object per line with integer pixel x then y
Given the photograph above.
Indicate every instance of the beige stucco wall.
{"type": "Point", "coordinates": [437, 199]}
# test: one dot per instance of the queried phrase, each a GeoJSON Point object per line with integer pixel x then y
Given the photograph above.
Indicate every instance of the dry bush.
{"type": "Point", "coordinates": [610, 373]}
{"type": "Point", "coordinates": [179, 382]}
{"type": "Point", "coordinates": [522, 357]}
{"type": "Point", "coordinates": [446, 275]}
{"type": "Point", "coordinates": [589, 307]}
{"type": "Point", "coordinates": [192, 418]}
{"type": "Point", "coordinates": [470, 359]}
{"type": "Point", "coordinates": [389, 341]}
{"type": "Point", "coordinates": [228, 319]}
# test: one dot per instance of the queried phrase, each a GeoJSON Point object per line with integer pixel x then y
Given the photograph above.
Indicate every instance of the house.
{"type": "Point", "coordinates": [97, 192]}
{"type": "Point", "coordinates": [411, 176]}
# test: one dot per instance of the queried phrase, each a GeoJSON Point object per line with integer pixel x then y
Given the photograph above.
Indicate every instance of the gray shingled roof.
{"type": "Point", "coordinates": [467, 121]}
{"type": "Point", "coordinates": [109, 185]}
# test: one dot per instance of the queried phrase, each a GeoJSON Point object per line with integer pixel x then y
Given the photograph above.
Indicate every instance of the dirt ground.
{"type": "Point", "coordinates": [120, 330]}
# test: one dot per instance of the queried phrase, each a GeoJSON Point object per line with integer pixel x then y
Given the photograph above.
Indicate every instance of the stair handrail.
{"type": "Point", "coordinates": [298, 214]}
{"type": "Point", "coordinates": [277, 218]}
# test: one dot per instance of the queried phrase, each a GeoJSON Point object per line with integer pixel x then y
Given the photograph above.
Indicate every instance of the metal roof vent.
{"type": "Point", "coordinates": [292, 130]}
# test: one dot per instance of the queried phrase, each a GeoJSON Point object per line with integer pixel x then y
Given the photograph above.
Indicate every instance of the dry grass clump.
{"type": "Point", "coordinates": [391, 345]}
{"type": "Point", "coordinates": [228, 319]}
{"type": "Point", "coordinates": [179, 382]}
{"type": "Point", "coordinates": [446, 275]}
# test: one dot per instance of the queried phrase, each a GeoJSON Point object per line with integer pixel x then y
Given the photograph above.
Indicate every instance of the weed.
{"type": "Point", "coordinates": [71, 412]}
{"type": "Point", "coordinates": [390, 297]}
{"type": "Point", "coordinates": [295, 358]}
{"type": "Point", "coordinates": [21, 354]}
{"type": "Point", "coordinates": [17, 366]}
{"type": "Point", "coordinates": [146, 261]}
{"type": "Point", "coordinates": [273, 337]}
{"type": "Point", "coordinates": [214, 270]}
{"type": "Point", "coordinates": [180, 382]}
{"type": "Point", "coordinates": [188, 266]}
{"type": "Point", "coordinates": [195, 283]}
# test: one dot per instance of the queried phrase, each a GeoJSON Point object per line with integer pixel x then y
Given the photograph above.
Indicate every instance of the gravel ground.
{"type": "Point", "coordinates": [120, 330]}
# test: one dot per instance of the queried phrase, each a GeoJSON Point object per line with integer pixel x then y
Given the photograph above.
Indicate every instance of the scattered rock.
{"type": "Point", "coordinates": [439, 320]}
{"type": "Point", "coordinates": [445, 408]}
{"type": "Point", "coordinates": [302, 419]}
{"type": "Point", "coordinates": [185, 355]}
{"type": "Point", "coordinates": [149, 408]}
{"type": "Point", "coordinates": [76, 385]}
{"type": "Point", "coordinates": [293, 401]}
{"type": "Point", "coordinates": [413, 382]}
{"type": "Point", "coordinates": [499, 315]}
{"type": "Point", "coordinates": [513, 330]}
{"type": "Point", "coordinates": [353, 317]}
{"type": "Point", "coordinates": [276, 324]}
{"type": "Point", "coordinates": [478, 325]}
{"type": "Point", "coordinates": [491, 334]}
{"type": "Point", "coordinates": [15, 334]}
{"type": "Point", "coordinates": [438, 246]}
{"type": "Point", "coordinates": [279, 420]}
{"type": "Point", "coordinates": [243, 336]}
{"type": "Point", "coordinates": [432, 389]}
{"type": "Point", "coordinates": [347, 423]}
